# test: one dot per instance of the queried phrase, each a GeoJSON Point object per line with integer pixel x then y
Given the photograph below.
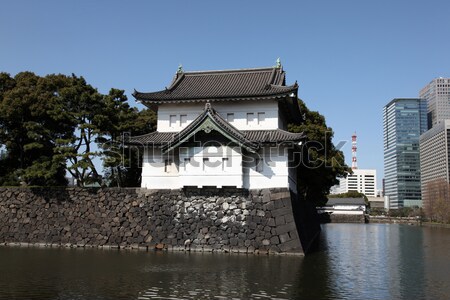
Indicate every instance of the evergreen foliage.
{"type": "Point", "coordinates": [351, 194]}
{"type": "Point", "coordinates": [321, 162]}
{"type": "Point", "coordinates": [58, 123]}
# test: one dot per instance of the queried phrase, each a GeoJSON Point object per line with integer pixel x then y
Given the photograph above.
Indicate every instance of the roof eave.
{"type": "Point", "coordinates": [217, 99]}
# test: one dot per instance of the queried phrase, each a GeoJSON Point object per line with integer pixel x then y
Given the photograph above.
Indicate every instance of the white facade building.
{"type": "Point", "coordinates": [437, 94]}
{"type": "Point", "coordinates": [435, 155]}
{"type": "Point", "coordinates": [222, 128]}
{"type": "Point", "coordinates": [344, 206]}
{"type": "Point", "coordinates": [362, 181]}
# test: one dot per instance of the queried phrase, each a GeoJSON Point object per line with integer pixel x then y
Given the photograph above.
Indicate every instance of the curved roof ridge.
{"type": "Point", "coordinates": [273, 135]}
{"type": "Point", "coordinates": [296, 134]}
{"type": "Point", "coordinates": [230, 70]}
{"type": "Point", "coordinates": [145, 134]}
{"type": "Point", "coordinates": [272, 76]}
{"type": "Point", "coordinates": [176, 81]}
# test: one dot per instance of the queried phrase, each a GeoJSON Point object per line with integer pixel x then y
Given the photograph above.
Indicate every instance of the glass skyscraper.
{"type": "Point", "coordinates": [404, 120]}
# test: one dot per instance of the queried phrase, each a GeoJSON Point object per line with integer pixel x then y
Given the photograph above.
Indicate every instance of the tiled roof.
{"type": "Point", "coordinates": [152, 138]}
{"type": "Point", "coordinates": [220, 85]}
{"type": "Point", "coordinates": [272, 136]}
{"type": "Point", "coordinates": [258, 136]}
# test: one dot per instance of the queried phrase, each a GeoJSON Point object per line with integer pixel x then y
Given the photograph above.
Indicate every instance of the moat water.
{"type": "Point", "coordinates": [355, 261]}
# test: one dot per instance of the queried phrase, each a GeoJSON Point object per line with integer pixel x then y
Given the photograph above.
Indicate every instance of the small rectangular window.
{"type": "Point", "coordinates": [261, 117]}
{"type": "Point", "coordinates": [183, 120]}
{"type": "Point", "coordinates": [172, 120]}
{"type": "Point", "coordinates": [187, 160]}
{"type": "Point", "coordinates": [249, 118]}
{"type": "Point", "coordinates": [224, 163]}
{"type": "Point", "coordinates": [230, 117]}
{"type": "Point", "coordinates": [167, 165]}
{"type": "Point", "coordinates": [205, 162]}
{"type": "Point", "coordinates": [258, 165]}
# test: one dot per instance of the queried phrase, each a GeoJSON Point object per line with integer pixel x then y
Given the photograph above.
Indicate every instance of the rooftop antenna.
{"type": "Point", "coordinates": [354, 162]}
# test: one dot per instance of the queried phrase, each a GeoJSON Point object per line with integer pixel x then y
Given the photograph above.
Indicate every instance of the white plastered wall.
{"type": "Point", "coordinates": [194, 166]}
{"type": "Point", "coordinates": [183, 114]}
{"type": "Point", "coordinates": [160, 171]}
{"type": "Point", "coordinates": [217, 166]}
{"type": "Point", "coordinates": [267, 169]}
{"type": "Point", "coordinates": [211, 166]}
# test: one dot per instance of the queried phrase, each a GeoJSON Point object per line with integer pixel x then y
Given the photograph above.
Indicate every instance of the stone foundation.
{"type": "Point", "coordinates": [219, 220]}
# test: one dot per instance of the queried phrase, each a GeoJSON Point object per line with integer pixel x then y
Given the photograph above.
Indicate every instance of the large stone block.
{"type": "Point", "coordinates": [286, 228]}
{"type": "Point", "coordinates": [282, 211]}
{"type": "Point", "coordinates": [280, 195]}
{"type": "Point", "coordinates": [292, 245]}
{"type": "Point", "coordinates": [280, 220]}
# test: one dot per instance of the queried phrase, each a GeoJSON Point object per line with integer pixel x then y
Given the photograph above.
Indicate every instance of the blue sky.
{"type": "Point", "coordinates": [350, 57]}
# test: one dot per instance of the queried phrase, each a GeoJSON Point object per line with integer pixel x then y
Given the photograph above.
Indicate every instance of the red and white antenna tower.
{"type": "Point", "coordinates": [354, 163]}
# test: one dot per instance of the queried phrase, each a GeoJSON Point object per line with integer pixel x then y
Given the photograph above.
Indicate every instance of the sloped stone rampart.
{"type": "Point", "coordinates": [219, 220]}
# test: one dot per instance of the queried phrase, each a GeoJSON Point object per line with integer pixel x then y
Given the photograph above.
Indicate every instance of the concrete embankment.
{"type": "Point", "coordinates": [342, 218]}
{"type": "Point", "coordinates": [395, 220]}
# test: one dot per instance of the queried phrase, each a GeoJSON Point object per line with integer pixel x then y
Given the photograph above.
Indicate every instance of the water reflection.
{"type": "Point", "coordinates": [411, 262]}
{"type": "Point", "coordinates": [206, 276]}
{"type": "Point", "coordinates": [436, 269]}
{"type": "Point", "coordinates": [313, 277]}
{"type": "Point", "coordinates": [379, 261]}
{"type": "Point", "coordinates": [355, 261]}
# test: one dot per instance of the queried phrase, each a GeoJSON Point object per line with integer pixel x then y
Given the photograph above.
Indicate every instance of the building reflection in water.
{"type": "Point", "coordinates": [208, 276]}
{"type": "Point", "coordinates": [376, 261]}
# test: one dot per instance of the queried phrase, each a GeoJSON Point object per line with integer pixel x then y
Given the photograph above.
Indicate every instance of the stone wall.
{"type": "Point", "coordinates": [222, 220]}
{"type": "Point", "coordinates": [342, 218]}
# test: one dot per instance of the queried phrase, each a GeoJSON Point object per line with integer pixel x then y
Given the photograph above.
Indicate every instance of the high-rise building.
{"type": "Point", "coordinates": [404, 120]}
{"type": "Point", "coordinates": [362, 181]}
{"type": "Point", "coordinates": [437, 94]}
{"type": "Point", "coordinates": [435, 156]}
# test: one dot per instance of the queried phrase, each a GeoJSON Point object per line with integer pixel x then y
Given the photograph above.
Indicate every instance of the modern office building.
{"type": "Point", "coordinates": [362, 181]}
{"type": "Point", "coordinates": [435, 155]}
{"type": "Point", "coordinates": [437, 95]}
{"type": "Point", "coordinates": [404, 120]}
